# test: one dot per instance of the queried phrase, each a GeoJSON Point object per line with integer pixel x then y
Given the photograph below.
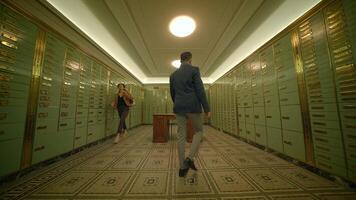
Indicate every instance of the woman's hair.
{"type": "Point", "coordinates": [118, 85]}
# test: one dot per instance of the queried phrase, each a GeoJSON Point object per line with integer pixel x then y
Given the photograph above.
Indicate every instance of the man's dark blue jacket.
{"type": "Point", "coordinates": [187, 90]}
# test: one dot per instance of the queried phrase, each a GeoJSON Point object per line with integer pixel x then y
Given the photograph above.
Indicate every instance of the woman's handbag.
{"type": "Point", "coordinates": [129, 100]}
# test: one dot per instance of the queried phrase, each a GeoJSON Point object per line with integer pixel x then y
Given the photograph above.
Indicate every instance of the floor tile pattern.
{"type": "Point", "coordinates": [136, 168]}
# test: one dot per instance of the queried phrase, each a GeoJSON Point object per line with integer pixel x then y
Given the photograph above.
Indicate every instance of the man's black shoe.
{"type": "Point", "coordinates": [183, 172]}
{"type": "Point", "coordinates": [190, 164]}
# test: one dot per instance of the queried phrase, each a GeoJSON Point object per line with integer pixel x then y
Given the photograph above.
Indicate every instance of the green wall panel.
{"type": "Point", "coordinates": [49, 101]}
{"type": "Point", "coordinates": [310, 68]}
{"type": "Point", "coordinates": [17, 47]}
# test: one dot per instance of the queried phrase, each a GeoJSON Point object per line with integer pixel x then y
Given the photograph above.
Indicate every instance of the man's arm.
{"type": "Point", "coordinates": [199, 89]}
{"type": "Point", "coordinates": [171, 88]}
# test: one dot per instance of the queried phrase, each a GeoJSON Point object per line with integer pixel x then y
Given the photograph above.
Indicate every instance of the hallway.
{"type": "Point", "coordinates": [136, 168]}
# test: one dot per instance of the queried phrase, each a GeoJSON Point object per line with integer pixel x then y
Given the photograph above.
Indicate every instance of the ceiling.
{"type": "Point", "coordinates": [146, 24]}
{"type": "Point", "coordinates": [136, 34]}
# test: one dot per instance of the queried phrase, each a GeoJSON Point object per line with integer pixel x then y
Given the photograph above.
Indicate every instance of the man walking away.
{"type": "Point", "coordinates": [188, 95]}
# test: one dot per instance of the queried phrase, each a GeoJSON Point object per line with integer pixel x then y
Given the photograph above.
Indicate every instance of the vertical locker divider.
{"type": "Point", "coordinates": [303, 98]}
{"type": "Point", "coordinates": [32, 103]}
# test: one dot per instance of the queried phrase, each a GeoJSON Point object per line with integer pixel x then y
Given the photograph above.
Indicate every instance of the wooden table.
{"type": "Point", "coordinates": [161, 127]}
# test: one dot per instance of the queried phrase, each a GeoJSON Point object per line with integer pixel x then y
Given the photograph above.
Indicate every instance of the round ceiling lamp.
{"type": "Point", "coordinates": [182, 26]}
{"type": "Point", "coordinates": [176, 63]}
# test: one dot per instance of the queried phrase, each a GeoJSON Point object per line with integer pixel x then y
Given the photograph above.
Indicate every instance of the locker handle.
{"type": "Point", "coordinates": [325, 165]}
{"type": "Point", "coordinates": [287, 142]}
{"type": "Point", "coordinates": [258, 135]}
{"type": "Point", "coordinates": [320, 131]}
{"type": "Point", "coordinates": [285, 117]}
{"type": "Point", "coordinates": [268, 117]}
{"type": "Point", "coordinates": [319, 123]}
{"type": "Point", "coordinates": [79, 122]}
{"type": "Point", "coordinates": [283, 88]}
{"type": "Point", "coordinates": [240, 115]}
{"type": "Point", "coordinates": [285, 99]}
{"type": "Point", "coordinates": [247, 115]}
{"type": "Point", "coordinates": [323, 156]}
{"type": "Point", "coordinates": [257, 116]}
{"type": "Point", "coordinates": [268, 101]}
{"type": "Point", "coordinates": [248, 132]}
{"type": "Point", "coordinates": [318, 107]}
{"type": "Point", "coordinates": [318, 115]}
{"type": "Point", "coordinates": [90, 134]}
{"type": "Point", "coordinates": [79, 113]}
{"type": "Point", "coordinates": [255, 102]}
{"type": "Point", "coordinates": [349, 106]}
{"type": "Point", "coordinates": [348, 135]}
{"type": "Point", "coordinates": [267, 91]}
{"type": "Point", "coordinates": [350, 126]}
{"type": "Point", "coordinates": [323, 148]}
{"type": "Point", "coordinates": [41, 127]}
{"type": "Point", "coordinates": [41, 115]}
{"type": "Point", "coordinates": [40, 148]}
{"type": "Point", "coordinates": [77, 138]}
{"type": "Point", "coordinates": [350, 116]}
{"type": "Point", "coordinates": [90, 121]}
{"type": "Point", "coordinates": [64, 124]}
{"type": "Point", "coordinates": [322, 140]}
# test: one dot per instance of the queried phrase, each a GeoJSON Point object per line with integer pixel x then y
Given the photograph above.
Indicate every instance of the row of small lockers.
{"type": "Point", "coordinates": [157, 100]}
{"type": "Point", "coordinates": [306, 78]}
{"type": "Point", "coordinates": [73, 96]}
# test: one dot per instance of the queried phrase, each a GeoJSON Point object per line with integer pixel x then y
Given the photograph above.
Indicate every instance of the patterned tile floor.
{"type": "Point", "coordinates": [136, 168]}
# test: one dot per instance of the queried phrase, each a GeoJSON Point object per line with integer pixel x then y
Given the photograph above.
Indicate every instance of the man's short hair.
{"type": "Point", "coordinates": [185, 56]}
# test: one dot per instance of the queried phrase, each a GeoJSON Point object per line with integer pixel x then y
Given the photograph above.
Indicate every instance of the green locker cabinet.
{"type": "Point", "coordinates": [290, 109]}
{"type": "Point", "coordinates": [341, 32]}
{"type": "Point", "coordinates": [111, 113]}
{"type": "Point", "coordinates": [258, 114]}
{"type": "Point", "coordinates": [95, 99]}
{"type": "Point", "coordinates": [239, 77]}
{"type": "Point", "coordinates": [69, 90]}
{"type": "Point", "coordinates": [261, 134]}
{"type": "Point", "coordinates": [46, 132]}
{"type": "Point", "coordinates": [101, 103]}
{"type": "Point", "coordinates": [294, 146]}
{"type": "Point", "coordinates": [82, 109]}
{"type": "Point", "coordinates": [274, 139]}
{"type": "Point", "coordinates": [18, 39]}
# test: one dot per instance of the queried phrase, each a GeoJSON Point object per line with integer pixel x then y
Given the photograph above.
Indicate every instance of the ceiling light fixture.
{"type": "Point", "coordinates": [176, 63]}
{"type": "Point", "coordinates": [182, 26]}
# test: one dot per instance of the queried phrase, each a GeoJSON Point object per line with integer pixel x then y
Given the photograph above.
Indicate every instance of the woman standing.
{"type": "Point", "coordinates": [122, 103]}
